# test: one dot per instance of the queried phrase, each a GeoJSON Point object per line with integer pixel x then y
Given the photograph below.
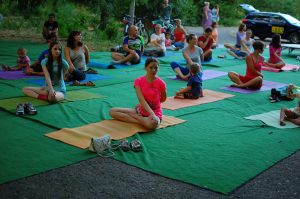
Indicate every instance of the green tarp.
{"type": "Point", "coordinates": [216, 148]}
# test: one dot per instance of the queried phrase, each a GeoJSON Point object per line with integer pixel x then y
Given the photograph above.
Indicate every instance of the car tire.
{"type": "Point", "coordinates": [295, 38]}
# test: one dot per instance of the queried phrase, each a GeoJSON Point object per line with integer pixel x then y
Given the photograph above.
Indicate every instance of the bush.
{"type": "Point", "coordinates": [112, 30]}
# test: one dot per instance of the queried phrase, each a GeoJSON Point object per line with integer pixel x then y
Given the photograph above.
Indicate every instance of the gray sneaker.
{"type": "Point", "coordinates": [29, 109]}
{"type": "Point", "coordinates": [20, 109]}
{"type": "Point", "coordinates": [136, 145]}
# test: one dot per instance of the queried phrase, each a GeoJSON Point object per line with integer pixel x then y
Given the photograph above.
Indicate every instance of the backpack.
{"type": "Point", "coordinates": [279, 94]}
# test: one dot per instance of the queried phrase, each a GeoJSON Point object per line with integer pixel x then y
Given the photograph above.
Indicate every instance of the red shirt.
{"type": "Point", "coordinates": [209, 44]}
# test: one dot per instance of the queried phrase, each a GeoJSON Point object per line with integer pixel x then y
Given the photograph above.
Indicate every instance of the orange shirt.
{"type": "Point", "coordinates": [179, 35]}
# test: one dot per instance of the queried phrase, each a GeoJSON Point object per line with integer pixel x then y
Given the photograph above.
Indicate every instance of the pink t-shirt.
{"type": "Point", "coordinates": [273, 59]}
{"type": "Point", "coordinates": [168, 42]}
{"type": "Point", "coordinates": [23, 60]}
{"type": "Point", "coordinates": [152, 93]}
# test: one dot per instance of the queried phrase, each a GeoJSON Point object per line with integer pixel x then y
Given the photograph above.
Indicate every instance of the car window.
{"type": "Point", "coordinates": [277, 19]}
{"type": "Point", "coordinates": [262, 18]}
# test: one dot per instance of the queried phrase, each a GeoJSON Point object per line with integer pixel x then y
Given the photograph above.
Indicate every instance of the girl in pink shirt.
{"type": "Point", "coordinates": [275, 49]}
{"type": "Point", "coordinates": [151, 92]}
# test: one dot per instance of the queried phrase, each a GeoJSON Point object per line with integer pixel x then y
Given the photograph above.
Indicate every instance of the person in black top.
{"type": "Point", "coordinates": [50, 28]}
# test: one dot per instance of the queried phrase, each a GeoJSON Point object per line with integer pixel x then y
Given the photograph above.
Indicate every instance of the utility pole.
{"type": "Point", "coordinates": [131, 11]}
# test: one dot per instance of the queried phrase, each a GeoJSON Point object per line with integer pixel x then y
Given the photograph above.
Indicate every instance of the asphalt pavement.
{"type": "Point", "coordinates": [107, 178]}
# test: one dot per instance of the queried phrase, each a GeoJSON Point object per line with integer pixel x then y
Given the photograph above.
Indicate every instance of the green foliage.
{"type": "Point", "coordinates": [99, 20]}
{"type": "Point", "coordinates": [69, 16]}
{"type": "Point", "coordinates": [185, 10]}
{"type": "Point", "coordinates": [112, 30]}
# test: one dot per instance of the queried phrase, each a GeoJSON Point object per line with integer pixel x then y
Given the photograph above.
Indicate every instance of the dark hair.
{"type": "Point", "coordinates": [208, 30]}
{"type": "Point", "coordinates": [150, 60]}
{"type": "Point", "coordinates": [71, 40]}
{"type": "Point", "coordinates": [51, 15]}
{"type": "Point", "coordinates": [195, 68]}
{"type": "Point", "coordinates": [21, 49]}
{"type": "Point", "coordinates": [241, 27]}
{"type": "Point", "coordinates": [189, 37]}
{"type": "Point", "coordinates": [258, 45]}
{"type": "Point", "coordinates": [276, 41]}
{"type": "Point", "coordinates": [49, 63]}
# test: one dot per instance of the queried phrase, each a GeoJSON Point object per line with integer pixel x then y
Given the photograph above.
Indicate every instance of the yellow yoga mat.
{"type": "Point", "coordinates": [81, 136]}
{"type": "Point", "coordinates": [11, 103]}
{"type": "Point", "coordinates": [209, 96]}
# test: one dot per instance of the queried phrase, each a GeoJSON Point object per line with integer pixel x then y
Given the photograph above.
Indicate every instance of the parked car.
{"type": "Point", "coordinates": [266, 24]}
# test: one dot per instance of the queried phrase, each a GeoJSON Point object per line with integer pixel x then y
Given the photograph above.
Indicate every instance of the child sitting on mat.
{"type": "Point", "coordinates": [151, 92]}
{"type": "Point", "coordinates": [23, 61]}
{"type": "Point", "coordinates": [291, 115]}
{"type": "Point", "coordinates": [253, 78]}
{"type": "Point", "coordinates": [275, 49]}
{"type": "Point", "coordinates": [193, 89]}
{"type": "Point", "coordinates": [54, 68]}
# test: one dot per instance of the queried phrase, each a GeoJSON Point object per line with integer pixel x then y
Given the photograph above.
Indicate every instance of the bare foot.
{"type": "Point", "coordinates": [179, 97]}
{"type": "Point", "coordinates": [234, 85]}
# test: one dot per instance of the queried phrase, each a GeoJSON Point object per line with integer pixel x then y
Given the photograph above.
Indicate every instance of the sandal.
{"type": "Point", "coordinates": [89, 83]}
{"type": "Point", "coordinates": [91, 71]}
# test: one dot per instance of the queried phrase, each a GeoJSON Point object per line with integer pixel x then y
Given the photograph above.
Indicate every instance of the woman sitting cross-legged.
{"type": "Point", "coordinates": [151, 92]}
{"type": "Point", "coordinates": [192, 54]}
{"type": "Point", "coordinates": [253, 78]}
{"type": "Point", "coordinates": [157, 46]}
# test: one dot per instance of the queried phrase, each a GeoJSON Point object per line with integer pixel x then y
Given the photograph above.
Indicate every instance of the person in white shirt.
{"type": "Point", "coordinates": [157, 47]}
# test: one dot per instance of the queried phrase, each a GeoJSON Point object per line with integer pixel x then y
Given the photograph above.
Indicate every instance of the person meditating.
{"type": "Point", "coordinates": [133, 45]}
{"type": "Point", "coordinates": [151, 92]}
{"type": "Point", "coordinates": [253, 78]}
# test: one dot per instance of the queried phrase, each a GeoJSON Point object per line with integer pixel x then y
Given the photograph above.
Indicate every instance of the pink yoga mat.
{"type": "Point", "coordinates": [287, 67]}
{"type": "Point", "coordinates": [15, 75]}
{"type": "Point", "coordinates": [209, 96]}
{"type": "Point", "coordinates": [207, 74]}
{"type": "Point", "coordinates": [267, 85]}
{"type": "Point", "coordinates": [290, 67]}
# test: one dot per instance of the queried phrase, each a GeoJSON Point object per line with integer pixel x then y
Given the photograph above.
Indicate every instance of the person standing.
{"type": "Point", "coordinates": [215, 14]}
{"type": "Point", "coordinates": [166, 11]}
{"type": "Point", "coordinates": [206, 16]}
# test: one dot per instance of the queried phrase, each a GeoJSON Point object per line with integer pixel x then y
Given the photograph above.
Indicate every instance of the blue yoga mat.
{"type": "Point", "coordinates": [89, 77]}
{"type": "Point", "coordinates": [111, 66]}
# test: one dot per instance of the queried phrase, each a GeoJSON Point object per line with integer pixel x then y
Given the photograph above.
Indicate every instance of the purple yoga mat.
{"type": "Point", "coordinates": [267, 85]}
{"type": "Point", "coordinates": [207, 74]}
{"type": "Point", "coordinates": [15, 75]}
